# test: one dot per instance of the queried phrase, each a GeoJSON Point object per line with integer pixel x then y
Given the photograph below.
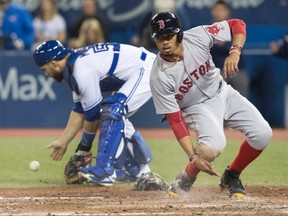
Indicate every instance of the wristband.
{"type": "Point", "coordinates": [236, 46]}
{"type": "Point", "coordinates": [234, 51]}
{"type": "Point", "coordinates": [193, 158]}
{"type": "Point", "coordinates": [83, 148]}
{"type": "Point", "coordinates": [87, 138]}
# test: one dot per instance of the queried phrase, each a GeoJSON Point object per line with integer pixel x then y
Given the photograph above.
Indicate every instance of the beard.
{"type": "Point", "coordinates": [58, 77]}
{"type": "Point", "coordinates": [167, 55]}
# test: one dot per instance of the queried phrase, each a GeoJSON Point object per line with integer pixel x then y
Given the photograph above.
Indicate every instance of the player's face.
{"type": "Point", "coordinates": [52, 69]}
{"type": "Point", "coordinates": [166, 44]}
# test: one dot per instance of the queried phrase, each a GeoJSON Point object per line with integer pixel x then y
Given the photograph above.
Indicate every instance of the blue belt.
{"type": "Point", "coordinates": [116, 50]}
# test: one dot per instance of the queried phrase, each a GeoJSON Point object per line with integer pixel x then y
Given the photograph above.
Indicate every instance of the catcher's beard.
{"type": "Point", "coordinates": [58, 77]}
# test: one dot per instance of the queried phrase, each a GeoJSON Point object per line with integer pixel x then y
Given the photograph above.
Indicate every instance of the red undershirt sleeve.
{"type": "Point", "coordinates": [178, 125]}
{"type": "Point", "coordinates": [237, 26]}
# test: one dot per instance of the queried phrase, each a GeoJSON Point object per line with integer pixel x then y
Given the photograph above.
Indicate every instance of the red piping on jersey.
{"type": "Point", "coordinates": [237, 26]}
{"type": "Point", "coordinates": [178, 125]}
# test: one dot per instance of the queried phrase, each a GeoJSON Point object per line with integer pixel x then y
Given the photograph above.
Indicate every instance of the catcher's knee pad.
{"type": "Point", "coordinates": [138, 154]}
{"type": "Point", "coordinates": [131, 166]}
{"type": "Point", "coordinates": [207, 152]}
{"type": "Point", "coordinates": [112, 141]}
{"type": "Point", "coordinates": [139, 149]}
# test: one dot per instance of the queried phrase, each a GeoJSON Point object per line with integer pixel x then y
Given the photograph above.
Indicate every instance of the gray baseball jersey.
{"type": "Point", "coordinates": [195, 86]}
{"type": "Point", "coordinates": [196, 79]}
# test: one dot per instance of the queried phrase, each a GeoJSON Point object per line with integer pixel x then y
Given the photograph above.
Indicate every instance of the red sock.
{"type": "Point", "coordinates": [191, 170]}
{"type": "Point", "coordinates": [245, 156]}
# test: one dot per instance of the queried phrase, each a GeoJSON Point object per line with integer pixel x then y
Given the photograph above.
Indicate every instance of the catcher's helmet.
{"type": "Point", "coordinates": [48, 51]}
{"type": "Point", "coordinates": [166, 23]}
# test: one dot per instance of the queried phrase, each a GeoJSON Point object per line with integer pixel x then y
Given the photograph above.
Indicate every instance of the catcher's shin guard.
{"type": "Point", "coordinates": [112, 142]}
{"type": "Point", "coordinates": [138, 157]}
{"type": "Point", "coordinates": [132, 169]}
{"type": "Point", "coordinates": [140, 149]}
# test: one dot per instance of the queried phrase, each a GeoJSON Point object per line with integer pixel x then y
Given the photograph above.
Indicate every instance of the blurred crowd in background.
{"type": "Point", "coordinates": [25, 24]}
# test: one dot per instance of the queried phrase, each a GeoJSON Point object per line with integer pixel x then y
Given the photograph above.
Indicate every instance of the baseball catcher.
{"type": "Point", "coordinates": [122, 154]}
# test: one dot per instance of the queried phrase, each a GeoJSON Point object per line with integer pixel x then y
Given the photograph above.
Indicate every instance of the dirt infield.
{"type": "Point", "coordinates": [122, 200]}
{"type": "Point", "coordinates": [116, 200]}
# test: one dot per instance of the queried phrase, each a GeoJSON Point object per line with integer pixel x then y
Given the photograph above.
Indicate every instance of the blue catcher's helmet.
{"type": "Point", "coordinates": [48, 51]}
{"type": "Point", "coordinates": [166, 23]}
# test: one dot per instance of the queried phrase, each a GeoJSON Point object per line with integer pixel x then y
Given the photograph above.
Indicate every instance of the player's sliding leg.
{"type": "Point", "coordinates": [258, 138]}
{"type": "Point", "coordinates": [230, 178]}
{"type": "Point", "coordinates": [185, 180]}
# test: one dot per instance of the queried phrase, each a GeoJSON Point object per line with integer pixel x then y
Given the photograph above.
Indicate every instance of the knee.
{"type": "Point", "coordinates": [262, 138]}
{"type": "Point", "coordinates": [267, 133]}
{"type": "Point", "coordinates": [114, 107]}
{"type": "Point", "coordinates": [207, 152]}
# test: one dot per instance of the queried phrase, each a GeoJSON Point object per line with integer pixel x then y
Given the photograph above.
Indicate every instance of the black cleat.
{"type": "Point", "coordinates": [231, 181]}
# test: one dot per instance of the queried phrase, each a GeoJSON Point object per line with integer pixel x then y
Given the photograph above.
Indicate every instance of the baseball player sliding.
{"type": "Point", "coordinates": [122, 153]}
{"type": "Point", "coordinates": [189, 90]}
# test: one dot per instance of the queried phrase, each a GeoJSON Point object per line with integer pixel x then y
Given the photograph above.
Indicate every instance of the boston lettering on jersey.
{"type": "Point", "coordinates": [187, 83]}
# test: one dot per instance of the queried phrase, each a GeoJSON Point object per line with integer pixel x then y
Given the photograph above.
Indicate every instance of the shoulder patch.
{"type": "Point", "coordinates": [213, 29]}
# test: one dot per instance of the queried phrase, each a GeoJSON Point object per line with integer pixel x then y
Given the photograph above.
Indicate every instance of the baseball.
{"type": "Point", "coordinates": [34, 166]}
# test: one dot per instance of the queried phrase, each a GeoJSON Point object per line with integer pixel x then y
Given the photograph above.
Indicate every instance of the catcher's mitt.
{"type": "Point", "coordinates": [150, 182]}
{"type": "Point", "coordinates": [72, 166]}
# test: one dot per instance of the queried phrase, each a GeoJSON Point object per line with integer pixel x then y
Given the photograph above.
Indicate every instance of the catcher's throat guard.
{"type": "Point", "coordinates": [150, 182]}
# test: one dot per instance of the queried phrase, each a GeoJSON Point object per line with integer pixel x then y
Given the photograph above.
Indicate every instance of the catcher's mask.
{"type": "Point", "coordinates": [150, 182]}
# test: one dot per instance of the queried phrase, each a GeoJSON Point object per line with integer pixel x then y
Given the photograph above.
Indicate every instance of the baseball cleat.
{"type": "Point", "coordinates": [97, 175]}
{"type": "Point", "coordinates": [173, 195]}
{"type": "Point", "coordinates": [238, 195]}
{"type": "Point", "coordinates": [231, 181]}
{"type": "Point", "coordinates": [180, 185]}
{"type": "Point", "coordinates": [90, 178]}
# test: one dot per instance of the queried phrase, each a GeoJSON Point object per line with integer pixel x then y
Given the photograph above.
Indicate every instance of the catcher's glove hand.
{"type": "Point", "coordinates": [150, 182]}
{"type": "Point", "coordinates": [72, 166]}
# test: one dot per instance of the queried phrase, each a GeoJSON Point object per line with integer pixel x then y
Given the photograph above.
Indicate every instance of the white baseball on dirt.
{"type": "Point", "coordinates": [34, 165]}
